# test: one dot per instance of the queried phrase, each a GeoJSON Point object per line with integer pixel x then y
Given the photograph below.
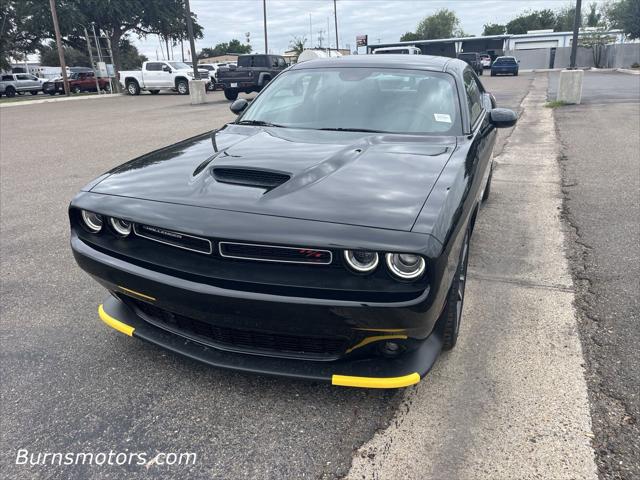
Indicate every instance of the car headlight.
{"type": "Point", "coordinates": [92, 221]}
{"type": "Point", "coordinates": [406, 266]}
{"type": "Point", "coordinates": [121, 227]}
{"type": "Point", "coordinates": [190, 74]}
{"type": "Point", "coordinates": [361, 261]}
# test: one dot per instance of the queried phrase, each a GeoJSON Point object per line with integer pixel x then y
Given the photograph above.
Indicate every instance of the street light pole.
{"type": "Point", "coordinates": [335, 18]}
{"type": "Point", "coordinates": [576, 28]}
{"type": "Point", "coordinates": [192, 43]}
{"type": "Point", "coordinates": [56, 27]}
{"type": "Point", "coordinates": [264, 13]}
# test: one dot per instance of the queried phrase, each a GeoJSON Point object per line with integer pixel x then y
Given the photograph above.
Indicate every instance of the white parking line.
{"type": "Point", "coordinates": [58, 99]}
{"type": "Point", "coordinates": [510, 401]}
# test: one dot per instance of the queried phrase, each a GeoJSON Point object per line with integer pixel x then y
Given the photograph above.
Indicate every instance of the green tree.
{"type": "Point", "coordinates": [593, 17]}
{"type": "Point", "coordinates": [73, 57]}
{"type": "Point", "coordinates": [234, 46]}
{"type": "Point", "coordinates": [442, 24]}
{"type": "Point", "coordinates": [297, 44]}
{"type": "Point", "coordinates": [494, 29]}
{"type": "Point", "coordinates": [565, 17]}
{"type": "Point", "coordinates": [130, 57]}
{"type": "Point", "coordinates": [596, 41]}
{"type": "Point", "coordinates": [410, 37]}
{"type": "Point", "coordinates": [532, 20]}
{"type": "Point", "coordinates": [625, 15]}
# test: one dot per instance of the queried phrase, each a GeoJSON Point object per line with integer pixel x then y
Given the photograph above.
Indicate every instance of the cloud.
{"type": "Point", "coordinates": [386, 20]}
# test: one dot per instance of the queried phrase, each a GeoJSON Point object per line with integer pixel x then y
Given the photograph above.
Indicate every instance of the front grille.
{"type": "Point", "coordinates": [270, 253]}
{"type": "Point", "coordinates": [175, 239]}
{"type": "Point", "coordinates": [248, 341]}
{"type": "Point", "coordinates": [250, 177]}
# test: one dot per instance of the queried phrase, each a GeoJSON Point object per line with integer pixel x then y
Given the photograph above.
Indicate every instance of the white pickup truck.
{"type": "Point", "coordinates": [156, 76]}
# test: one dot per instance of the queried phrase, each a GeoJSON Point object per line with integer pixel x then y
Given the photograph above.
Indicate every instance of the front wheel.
{"type": "Point", "coordinates": [230, 94]}
{"type": "Point", "coordinates": [183, 87]}
{"type": "Point", "coordinates": [10, 92]}
{"type": "Point", "coordinates": [34, 92]}
{"type": "Point", "coordinates": [75, 90]}
{"type": "Point", "coordinates": [480, 73]}
{"type": "Point", "coordinates": [452, 313]}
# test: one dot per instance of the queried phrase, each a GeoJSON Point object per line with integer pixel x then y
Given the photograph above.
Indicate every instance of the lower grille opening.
{"type": "Point", "coordinates": [246, 341]}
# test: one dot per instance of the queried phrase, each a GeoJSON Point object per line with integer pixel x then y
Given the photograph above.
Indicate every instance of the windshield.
{"type": "Point", "coordinates": [179, 66]}
{"type": "Point", "coordinates": [360, 99]}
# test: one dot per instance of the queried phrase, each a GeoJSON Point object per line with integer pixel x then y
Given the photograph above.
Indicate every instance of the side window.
{"type": "Point", "coordinates": [474, 96]}
{"type": "Point", "coordinates": [22, 77]}
{"type": "Point", "coordinates": [282, 63]}
{"type": "Point", "coordinates": [274, 62]}
{"type": "Point", "coordinates": [7, 78]}
{"type": "Point", "coordinates": [154, 66]}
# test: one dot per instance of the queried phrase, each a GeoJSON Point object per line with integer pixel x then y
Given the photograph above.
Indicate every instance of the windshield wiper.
{"type": "Point", "coordinates": [259, 123]}
{"type": "Point", "coordinates": [341, 129]}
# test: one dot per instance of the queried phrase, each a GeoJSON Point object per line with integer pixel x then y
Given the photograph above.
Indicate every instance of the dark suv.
{"type": "Point", "coordinates": [251, 75]}
{"type": "Point", "coordinates": [473, 59]}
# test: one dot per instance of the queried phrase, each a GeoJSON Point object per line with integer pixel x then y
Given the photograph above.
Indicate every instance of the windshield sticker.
{"type": "Point", "coordinates": [442, 117]}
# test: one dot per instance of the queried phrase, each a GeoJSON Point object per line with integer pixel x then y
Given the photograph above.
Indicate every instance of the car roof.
{"type": "Point", "coordinates": [415, 62]}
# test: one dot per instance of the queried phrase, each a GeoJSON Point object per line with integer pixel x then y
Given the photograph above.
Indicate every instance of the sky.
{"type": "Point", "coordinates": [382, 20]}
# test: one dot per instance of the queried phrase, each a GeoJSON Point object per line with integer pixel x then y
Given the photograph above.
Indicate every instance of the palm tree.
{"type": "Point", "coordinates": [297, 44]}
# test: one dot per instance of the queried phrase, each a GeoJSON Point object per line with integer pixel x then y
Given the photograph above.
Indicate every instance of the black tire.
{"type": "Point", "coordinates": [35, 92]}
{"type": "Point", "coordinates": [452, 313]}
{"type": "Point", "coordinates": [154, 92]}
{"type": "Point", "coordinates": [10, 92]}
{"type": "Point", "coordinates": [210, 87]}
{"type": "Point", "coordinates": [76, 89]}
{"type": "Point", "coordinates": [231, 94]}
{"type": "Point", "coordinates": [133, 88]}
{"type": "Point", "coordinates": [480, 73]}
{"type": "Point", "coordinates": [515, 74]}
{"type": "Point", "coordinates": [487, 188]}
{"type": "Point", "coordinates": [52, 93]}
{"type": "Point", "coordinates": [182, 86]}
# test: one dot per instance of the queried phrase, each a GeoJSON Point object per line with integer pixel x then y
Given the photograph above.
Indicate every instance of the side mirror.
{"type": "Point", "coordinates": [166, 68]}
{"type": "Point", "coordinates": [238, 106]}
{"type": "Point", "coordinates": [503, 117]}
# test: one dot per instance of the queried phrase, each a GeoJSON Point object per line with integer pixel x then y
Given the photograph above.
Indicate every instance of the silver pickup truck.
{"type": "Point", "coordinates": [12, 83]}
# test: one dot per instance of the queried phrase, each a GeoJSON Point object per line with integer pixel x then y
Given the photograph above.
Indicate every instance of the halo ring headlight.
{"type": "Point", "coordinates": [92, 221]}
{"type": "Point", "coordinates": [405, 266]}
{"type": "Point", "coordinates": [121, 227]}
{"type": "Point", "coordinates": [361, 261]}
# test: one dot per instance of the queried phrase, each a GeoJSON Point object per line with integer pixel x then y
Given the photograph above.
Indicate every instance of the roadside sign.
{"type": "Point", "coordinates": [361, 40]}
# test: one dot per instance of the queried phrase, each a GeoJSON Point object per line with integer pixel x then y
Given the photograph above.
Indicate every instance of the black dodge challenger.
{"type": "Point", "coordinates": [322, 235]}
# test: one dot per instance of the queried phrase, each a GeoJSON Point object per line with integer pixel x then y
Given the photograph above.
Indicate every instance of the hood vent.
{"type": "Point", "coordinates": [250, 177]}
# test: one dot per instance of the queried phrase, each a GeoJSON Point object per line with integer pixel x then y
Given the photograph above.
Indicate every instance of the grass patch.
{"type": "Point", "coordinates": [555, 104]}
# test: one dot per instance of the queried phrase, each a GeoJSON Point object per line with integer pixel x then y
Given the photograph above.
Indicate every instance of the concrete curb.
{"type": "Point", "coordinates": [628, 71]}
{"type": "Point", "coordinates": [60, 99]}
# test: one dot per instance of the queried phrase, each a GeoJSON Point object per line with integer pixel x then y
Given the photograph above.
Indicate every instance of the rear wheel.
{"type": "Point", "coordinates": [75, 89]}
{"type": "Point", "coordinates": [133, 88]}
{"type": "Point", "coordinates": [452, 313]}
{"type": "Point", "coordinates": [10, 92]}
{"type": "Point", "coordinates": [154, 92]}
{"type": "Point", "coordinates": [34, 92]}
{"type": "Point", "coordinates": [230, 93]}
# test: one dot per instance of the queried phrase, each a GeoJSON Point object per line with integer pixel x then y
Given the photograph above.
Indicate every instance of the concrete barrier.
{"type": "Point", "coordinates": [198, 91]}
{"type": "Point", "coordinates": [570, 86]}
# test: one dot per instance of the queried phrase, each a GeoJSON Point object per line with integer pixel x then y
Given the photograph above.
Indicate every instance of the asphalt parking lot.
{"type": "Point", "coordinates": [71, 384]}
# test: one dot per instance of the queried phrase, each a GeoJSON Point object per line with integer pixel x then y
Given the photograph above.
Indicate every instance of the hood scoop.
{"type": "Point", "coordinates": [250, 177]}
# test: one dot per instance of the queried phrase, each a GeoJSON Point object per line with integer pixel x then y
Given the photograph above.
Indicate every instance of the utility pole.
{"type": "Point", "coordinates": [192, 43]}
{"type": "Point", "coordinates": [335, 18]}
{"type": "Point", "coordinates": [264, 13]}
{"type": "Point", "coordinates": [576, 28]}
{"type": "Point", "coordinates": [86, 35]}
{"type": "Point", "coordinates": [56, 27]}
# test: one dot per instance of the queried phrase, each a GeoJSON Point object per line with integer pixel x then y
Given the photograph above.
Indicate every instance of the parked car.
{"type": "Point", "coordinates": [322, 235]}
{"type": "Point", "coordinates": [251, 74]}
{"type": "Point", "coordinates": [213, 69]}
{"type": "Point", "coordinates": [486, 60]}
{"type": "Point", "coordinates": [78, 82]}
{"type": "Point", "coordinates": [473, 59]}
{"type": "Point", "coordinates": [12, 83]}
{"type": "Point", "coordinates": [156, 76]}
{"type": "Point", "coordinates": [398, 50]}
{"type": "Point", "coordinates": [505, 65]}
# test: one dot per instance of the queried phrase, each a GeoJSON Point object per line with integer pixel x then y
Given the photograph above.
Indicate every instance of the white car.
{"type": "Point", "coordinates": [159, 75]}
{"type": "Point", "coordinates": [398, 50]}
{"type": "Point", "coordinates": [486, 60]}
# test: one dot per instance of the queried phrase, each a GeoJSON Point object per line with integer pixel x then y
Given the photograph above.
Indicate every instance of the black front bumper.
{"type": "Point", "coordinates": [375, 372]}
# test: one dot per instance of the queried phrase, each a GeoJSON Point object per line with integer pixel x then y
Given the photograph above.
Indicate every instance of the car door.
{"type": "Point", "coordinates": [153, 74]}
{"type": "Point", "coordinates": [24, 83]}
{"type": "Point", "coordinates": [483, 133]}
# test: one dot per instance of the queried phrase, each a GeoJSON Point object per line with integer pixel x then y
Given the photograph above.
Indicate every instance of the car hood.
{"type": "Point", "coordinates": [375, 180]}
